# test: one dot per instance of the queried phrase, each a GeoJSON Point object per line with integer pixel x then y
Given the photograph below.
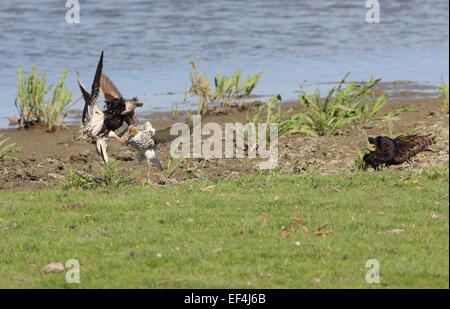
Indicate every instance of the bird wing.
{"type": "Point", "coordinates": [96, 83]}
{"type": "Point", "coordinates": [410, 145]}
{"type": "Point", "coordinates": [163, 136]}
{"type": "Point", "coordinates": [92, 116]}
{"type": "Point", "coordinates": [109, 89]}
{"type": "Point", "coordinates": [90, 104]}
{"type": "Point", "coordinates": [86, 95]}
{"type": "Point", "coordinates": [143, 140]}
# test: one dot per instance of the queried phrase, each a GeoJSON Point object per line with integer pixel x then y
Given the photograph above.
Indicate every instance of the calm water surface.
{"type": "Point", "coordinates": [295, 43]}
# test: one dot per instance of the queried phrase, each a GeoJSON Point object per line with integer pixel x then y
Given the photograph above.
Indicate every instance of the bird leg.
{"type": "Point", "coordinates": [121, 140]}
{"type": "Point", "coordinates": [126, 134]}
{"type": "Point", "coordinates": [410, 170]}
{"type": "Point", "coordinates": [148, 172]}
{"type": "Point", "coordinates": [139, 178]}
{"type": "Point", "coordinates": [118, 138]}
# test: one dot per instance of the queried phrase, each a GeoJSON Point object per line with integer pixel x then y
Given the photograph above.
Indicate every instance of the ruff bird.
{"type": "Point", "coordinates": [118, 110]}
{"type": "Point", "coordinates": [99, 125]}
{"type": "Point", "coordinates": [386, 151]}
{"type": "Point", "coordinates": [144, 140]}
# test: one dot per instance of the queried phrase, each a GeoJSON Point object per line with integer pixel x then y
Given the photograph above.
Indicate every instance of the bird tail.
{"type": "Point", "coordinates": [157, 161]}
{"type": "Point", "coordinates": [428, 149]}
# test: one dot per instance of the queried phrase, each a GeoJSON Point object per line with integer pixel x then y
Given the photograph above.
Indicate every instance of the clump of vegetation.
{"type": "Point", "coordinates": [442, 91]}
{"type": "Point", "coordinates": [32, 106]}
{"type": "Point", "coordinates": [81, 180]}
{"type": "Point", "coordinates": [369, 107]}
{"type": "Point", "coordinates": [227, 89]}
{"type": "Point", "coordinates": [343, 106]}
{"type": "Point", "coordinates": [200, 87]}
{"type": "Point", "coordinates": [7, 149]}
{"type": "Point", "coordinates": [230, 89]}
{"type": "Point", "coordinates": [269, 112]}
{"type": "Point", "coordinates": [108, 176]}
{"type": "Point", "coordinates": [56, 108]}
{"type": "Point", "coordinates": [358, 163]}
{"type": "Point", "coordinates": [173, 165]}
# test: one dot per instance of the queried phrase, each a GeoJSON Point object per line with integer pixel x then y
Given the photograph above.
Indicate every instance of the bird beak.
{"type": "Point", "coordinates": [371, 147]}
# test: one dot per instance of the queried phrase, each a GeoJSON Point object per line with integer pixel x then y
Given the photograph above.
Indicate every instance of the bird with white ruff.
{"type": "Point", "coordinates": [142, 138]}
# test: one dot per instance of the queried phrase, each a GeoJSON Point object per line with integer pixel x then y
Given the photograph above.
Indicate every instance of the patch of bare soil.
{"type": "Point", "coordinates": [47, 158]}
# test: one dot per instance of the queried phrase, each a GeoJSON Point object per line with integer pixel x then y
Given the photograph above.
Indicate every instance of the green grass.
{"type": "Point", "coordinates": [230, 236]}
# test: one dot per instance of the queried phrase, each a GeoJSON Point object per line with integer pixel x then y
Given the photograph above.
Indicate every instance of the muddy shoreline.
{"type": "Point", "coordinates": [47, 158]}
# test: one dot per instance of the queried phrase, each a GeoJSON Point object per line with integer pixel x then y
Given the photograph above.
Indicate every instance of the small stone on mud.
{"type": "Point", "coordinates": [52, 268]}
{"type": "Point", "coordinates": [55, 176]}
{"type": "Point", "coordinates": [78, 158]}
{"type": "Point", "coordinates": [125, 156]}
{"type": "Point", "coordinates": [84, 153]}
{"type": "Point", "coordinates": [436, 217]}
{"type": "Point", "coordinates": [396, 231]}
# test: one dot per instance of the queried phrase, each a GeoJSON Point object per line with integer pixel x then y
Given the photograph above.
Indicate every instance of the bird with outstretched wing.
{"type": "Point", "coordinates": [99, 125]}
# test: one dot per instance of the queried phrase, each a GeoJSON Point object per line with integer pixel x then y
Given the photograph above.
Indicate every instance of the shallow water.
{"type": "Point", "coordinates": [295, 43]}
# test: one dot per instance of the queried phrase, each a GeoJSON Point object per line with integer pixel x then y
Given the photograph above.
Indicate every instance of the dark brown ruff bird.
{"type": "Point", "coordinates": [118, 109]}
{"type": "Point", "coordinates": [385, 151]}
